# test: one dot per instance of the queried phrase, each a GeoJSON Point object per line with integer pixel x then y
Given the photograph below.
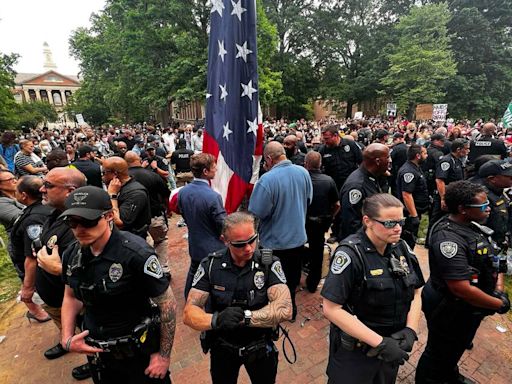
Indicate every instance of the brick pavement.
{"type": "Point", "coordinates": [21, 359]}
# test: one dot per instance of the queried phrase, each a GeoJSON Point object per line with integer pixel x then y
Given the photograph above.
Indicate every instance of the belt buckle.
{"type": "Point", "coordinates": [241, 352]}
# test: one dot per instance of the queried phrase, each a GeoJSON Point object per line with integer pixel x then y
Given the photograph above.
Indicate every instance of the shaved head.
{"type": "Point", "coordinates": [132, 159]}
{"type": "Point", "coordinates": [274, 149]}
{"type": "Point", "coordinates": [313, 160]}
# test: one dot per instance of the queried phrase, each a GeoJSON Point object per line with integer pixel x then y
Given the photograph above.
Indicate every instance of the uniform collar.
{"type": "Point", "coordinates": [369, 247]}
{"type": "Point", "coordinates": [112, 251]}
{"type": "Point", "coordinates": [227, 262]}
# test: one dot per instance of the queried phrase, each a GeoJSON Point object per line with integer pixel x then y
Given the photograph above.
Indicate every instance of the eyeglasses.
{"type": "Point", "coordinates": [389, 224]}
{"type": "Point", "coordinates": [482, 206]}
{"type": "Point", "coordinates": [243, 243]}
{"type": "Point", "coordinates": [9, 179]}
{"type": "Point", "coordinates": [73, 222]}
{"type": "Point", "coordinates": [49, 185]}
{"type": "Point", "coordinates": [105, 171]}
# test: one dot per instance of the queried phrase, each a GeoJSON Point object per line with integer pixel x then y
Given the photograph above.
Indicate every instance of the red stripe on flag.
{"type": "Point", "coordinates": [258, 151]}
{"type": "Point", "coordinates": [237, 189]}
{"type": "Point", "coordinates": [210, 145]}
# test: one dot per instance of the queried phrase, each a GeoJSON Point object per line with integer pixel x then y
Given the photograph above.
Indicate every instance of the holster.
{"type": "Point", "coordinates": [205, 338]}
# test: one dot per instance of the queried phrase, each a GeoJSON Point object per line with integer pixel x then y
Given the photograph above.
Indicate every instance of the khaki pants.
{"type": "Point", "coordinates": [54, 314]}
{"type": "Point", "coordinates": [158, 232]}
{"type": "Point", "coordinates": [183, 178]}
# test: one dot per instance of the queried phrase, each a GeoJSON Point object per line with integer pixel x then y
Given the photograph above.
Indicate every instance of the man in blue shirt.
{"type": "Point", "coordinates": [280, 200]}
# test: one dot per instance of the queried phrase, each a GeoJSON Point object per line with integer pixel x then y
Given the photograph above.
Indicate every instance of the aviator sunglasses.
{"type": "Point", "coordinates": [389, 224]}
{"type": "Point", "coordinates": [74, 222]}
{"type": "Point", "coordinates": [243, 243]}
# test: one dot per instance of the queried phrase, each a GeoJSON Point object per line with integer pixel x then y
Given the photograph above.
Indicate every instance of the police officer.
{"type": "Point", "coordinates": [339, 158]}
{"type": "Point", "coordinates": [370, 178]}
{"type": "Point", "coordinates": [181, 161]}
{"type": "Point", "coordinates": [248, 298]}
{"type": "Point", "coordinates": [448, 169]}
{"type": "Point", "coordinates": [434, 152]}
{"type": "Point", "coordinates": [398, 155]}
{"type": "Point", "coordinates": [413, 192]}
{"type": "Point", "coordinates": [115, 276]}
{"type": "Point", "coordinates": [495, 176]}
{"type": "Point", "coordinates": [130, 200]}
{"type": "Point", "coordinates": [486, 144]}
{"type": "Point", "coordinates": [372, 298]}
{"type": "Point", "coordinates": [463, 287]}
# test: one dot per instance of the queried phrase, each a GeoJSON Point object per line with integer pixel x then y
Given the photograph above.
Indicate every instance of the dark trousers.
{"type": "Point", "coordinates": [108, 370]}
{"type": "Point", "coordinates": [225, 364]}
{"type": "Point", "coordinates": [435, 214]}
{"type": "Point", "coordinates": [291, 260]}
{"type": "Point", "coordinates": [190, 276]}
{"type": "Point", "coordinates": [450, 330]}
{"type": "Point", "coordinates": [410, 233]}
{"type": "Point", "coordinates": [354, 367]}
{"type": "Point", "coordinates": [315, 253]}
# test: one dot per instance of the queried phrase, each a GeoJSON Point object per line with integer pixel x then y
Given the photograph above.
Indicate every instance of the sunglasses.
{"type": "Point", "coordinates": [390, 224]}
{"type": "Point", "coordinates": [241, 244]}
{"type": "Point", "coordinates": [49, 185]}
{"type": "Point", "coordinates": [73, 222]}
{"type": "Point", "coordinates": [482, 207]}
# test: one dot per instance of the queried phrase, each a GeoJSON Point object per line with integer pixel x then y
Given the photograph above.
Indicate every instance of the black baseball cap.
{"type": "Point", "coordinates": [87, 202]}
{"type": "Point", "coordinates": [495, 168]}
{"type": "Point", "coordinates": [381, 133]}
{"type": "Point", "coordinates": [84, 150]}
{"type": "Point", "coordinates": [398, 135]}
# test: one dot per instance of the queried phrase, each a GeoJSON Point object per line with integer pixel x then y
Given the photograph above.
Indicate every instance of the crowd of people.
{"type": "Point", "coordinates": [86, 211]}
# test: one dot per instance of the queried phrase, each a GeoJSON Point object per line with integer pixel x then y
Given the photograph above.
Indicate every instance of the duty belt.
{"type": "Point", "coordinates": [119, 347]}
{"type": "Point", "coordinates": [246, 350]}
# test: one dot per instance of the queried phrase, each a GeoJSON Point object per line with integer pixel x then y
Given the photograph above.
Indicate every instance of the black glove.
{"type": "Point", "coordinates": [406, 338]}
{"type": "Point", "coordinates": [503, 296]}
{"type": "Point", "coordinates": [389, 351]}
{"type": "Point", "coordinates": [229, 318]}
{"type": "Point", "coordinates": [412, 224]}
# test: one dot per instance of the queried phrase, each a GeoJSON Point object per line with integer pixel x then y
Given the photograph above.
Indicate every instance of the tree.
{"type": "Point", "coordinates": [421, 64]}
{"type": "Point", "coordinates": [33, 113]}
{"type": "Point", "coordinates": [8, 118]}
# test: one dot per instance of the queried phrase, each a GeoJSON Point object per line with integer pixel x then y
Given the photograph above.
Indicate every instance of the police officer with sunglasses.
{"type": "Point", "coordinates": [464, 284]}
{"type": "Point", "coordinates": [247, 298]}
{"type": "Point", "coordinates": [372, 298]}
{"type": "Point", "coordinates": [115, 278]}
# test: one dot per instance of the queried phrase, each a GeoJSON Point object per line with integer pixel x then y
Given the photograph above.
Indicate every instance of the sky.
{"type": "Point", "coordinates": [26, 24]}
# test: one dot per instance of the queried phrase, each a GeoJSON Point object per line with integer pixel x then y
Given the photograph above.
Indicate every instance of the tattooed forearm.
{"type": "Point", "coordinates": [194, 315]}
{"type": "Point", "coordinates": [278, 309]}
{"type": "Point", "coordinates": [167, 305]}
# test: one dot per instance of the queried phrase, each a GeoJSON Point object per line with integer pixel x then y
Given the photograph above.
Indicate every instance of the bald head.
{"type": "Point", "coordinates": [274, 150]}
{"type": "Point", "coordinates": [132, 159]}
{"type": "Point", "coordinates": [376, 158]}
{"type": "Point", "coordinates": [118, 165]}
{"type": "Point", "coordinates": [70, 177]}
{"type": "Point", "coordinates": [488, 129]}
{"type": "Point", "coordinates": [290, 140]}
{"type": "Point", "coordinates": [313, 161]}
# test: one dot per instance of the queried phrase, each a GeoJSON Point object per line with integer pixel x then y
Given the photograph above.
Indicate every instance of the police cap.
{"type": "Point", "coordinates": [88, 202]}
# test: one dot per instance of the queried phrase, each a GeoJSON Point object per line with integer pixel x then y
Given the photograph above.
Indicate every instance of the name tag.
{"type": "Point", "coordinates": [219, 288]}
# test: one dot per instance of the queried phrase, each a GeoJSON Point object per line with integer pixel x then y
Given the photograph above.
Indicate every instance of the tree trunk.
{"type": "Point", "coordinates": [411, 110]}
{"type": "Point", "coordinates": [348, 114]}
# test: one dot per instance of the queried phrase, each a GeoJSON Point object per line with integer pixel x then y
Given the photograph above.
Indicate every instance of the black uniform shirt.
{"type": "Point", "coordinates": [411, 179]}
{"type": "Point", "coordinates": [161, 163]}
{"type": "Point", "coordinates": [91, 170]}
{"type": "Point", "coordinates": [55, 231]}
{"type": "Point", "coordinates": [298, 158]}
{"type": "Point", "coordinates": [159, 196]}
{"type": "Point", "coordinates": [359, 185]}
{"type": "Point", "coordinates": [181, 158]}
{"type": "Point", "coordinates": [338, 162]}
{"type": "Point", "coordinates": [486, 145]}
{"type": "Point", "coordinates": [229, 285]}
{"type": "Point", "coordinates": [325, 195]}
{"type": "Point", "coordinates": [120, 280]}
{"type": "Point", "coordinates": [365, 286]}
{"type": "Point", "coordinates": [398, 157]}
{"type": "Point", "coordinates": [449, 169]}
{"type": "Point", "coordinates": [134, 207]}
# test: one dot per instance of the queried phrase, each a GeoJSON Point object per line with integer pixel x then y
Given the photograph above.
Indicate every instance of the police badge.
{"type": "Point", "coordinates": [404, 264]}
{"type": "Point", "coordinates": [115, 272]}
{"type": "Point", "coordinates": [259, 279]}
{"type": "Point", "coordinates": [448, 249]}
{"type": "Point", "coordinates": [51, 242]}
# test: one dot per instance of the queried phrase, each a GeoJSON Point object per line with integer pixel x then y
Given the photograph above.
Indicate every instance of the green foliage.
{"type": "Point", "coordinates": [34, 113]}
{"type": "Point", "coordinates": [421, 63]}
{"type": "Point", "coordinates": [9, 281]}
{"type": "Point", "coordinates": [8, 118]}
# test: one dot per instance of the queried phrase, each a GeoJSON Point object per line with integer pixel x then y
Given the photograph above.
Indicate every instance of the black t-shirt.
{"type": "Point", "coordinates": [134, 209]}
{"type": "Point", "coordinates": [325, 195]}
{"type": "Point", "coordinates": [91, 170]}
{"type": "Point", "coordinates": [181, 158]}
{"type": "Point", "coordinates": [121, 280]}
{"type": "Point", "coordinates": [159, 196]}
{"type": "Point", "coordinates": [398, 157]}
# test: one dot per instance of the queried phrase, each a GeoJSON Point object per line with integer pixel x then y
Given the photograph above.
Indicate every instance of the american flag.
{"type": "Point", "coordinates": [233, 130]}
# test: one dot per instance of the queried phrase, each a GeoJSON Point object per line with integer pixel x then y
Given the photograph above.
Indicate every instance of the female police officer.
{"type": "Point", "coordinates": [372, 298]}
{"type": "Point", "coordinates": [463, 287]}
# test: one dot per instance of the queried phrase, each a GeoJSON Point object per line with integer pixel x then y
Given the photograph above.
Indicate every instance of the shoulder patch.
{"type": "Point", "coordinates": [199, 273]}
{"type": "Point", "coordinates": [445, 166]}
{"type": "Point", "coordinates": [408, 177]}
{"type": "Point", "coordinates": [354, 195]}
{"type": "Point", "coordinates": [278, 270]}
{"type": "Point", "coordinates": [341, 261]}
{"type": "Point", "coordinates": [347, 148]}
{"type": "Point", "coordinates": [448, 249]}
{"type": "Point", "coordinates": [153, 268]}
{"type": "Point", "coordinates": [34, 231]}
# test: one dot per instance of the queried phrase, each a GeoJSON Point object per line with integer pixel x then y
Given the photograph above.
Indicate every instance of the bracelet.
{"type": "Point", "coordinates": [68, 343]}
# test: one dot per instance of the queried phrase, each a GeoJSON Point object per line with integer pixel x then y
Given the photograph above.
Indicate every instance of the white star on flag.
{"type": "Point", "coordinates": [243, 51]}
{"type": "Point", "coordinates": [253, 126]}
{"type": "Point", "coordinates": [208, 95]}
{"type": "Point", "coordinates": [227, 131]}
{"type": "Point", "coordinates": [238, 9]}
{"type": "Point", "coordinates": [222, 50]}
{"type": "Point", "coordinates": [223, 92]}
{"type": "Point", "coordinates": [217, 6]}
{"type": "Point", "coordinates": [248, 90]}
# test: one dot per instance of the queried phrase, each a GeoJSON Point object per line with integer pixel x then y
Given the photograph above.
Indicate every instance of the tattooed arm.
{"type": "Point", "coordinates": [159, 361]}
{"type": "Point", "coordinates": [277, 310]}
{"type": "Point", "coordinates": [194, 315]}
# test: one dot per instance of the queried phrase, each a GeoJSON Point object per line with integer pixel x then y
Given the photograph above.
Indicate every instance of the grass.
{"type": "Point", "coordinates": [508, 288]}
{"type": "Point", "coordinates": [9, 281]}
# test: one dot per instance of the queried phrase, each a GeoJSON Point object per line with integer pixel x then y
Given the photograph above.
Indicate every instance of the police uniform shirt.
{"type": "Point", "coordinates": [159, 196]}
{"type": "Point", "coordinates": [398, 157]}
{"type": "Point", "coordinates": [410, 179]}
{"type": "Point", "coordinates": [449, 169]}
{"type": "Point", "coordinates": [325, 195]}
{"type": "Point", "coordinates": [181, 158]}
{"type": "Point", "coordinates": [161, 163]}
{"type": "Point", "coordinates": [338, 162]}
{"type": "Point", "coordinates": [124, 276]}
{"type": "Point", "coordinates": [134, 209]}
{"type": "Point", "coordinates": [55, 231]}
{"type": "Point", "coordinates": [486, 145]}
{"type": "Point", "coordinates": [229, 284]}
{"type": "Point", "coordinates": [27, 228]}
{"type": "Point", "coordinates": [369, 290]}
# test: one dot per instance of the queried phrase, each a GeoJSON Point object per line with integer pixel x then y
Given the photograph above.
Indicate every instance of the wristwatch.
{"type": "Point", "coordinates": [113, 196]}
{"type": "Point", "coordinates": [247, 317]}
